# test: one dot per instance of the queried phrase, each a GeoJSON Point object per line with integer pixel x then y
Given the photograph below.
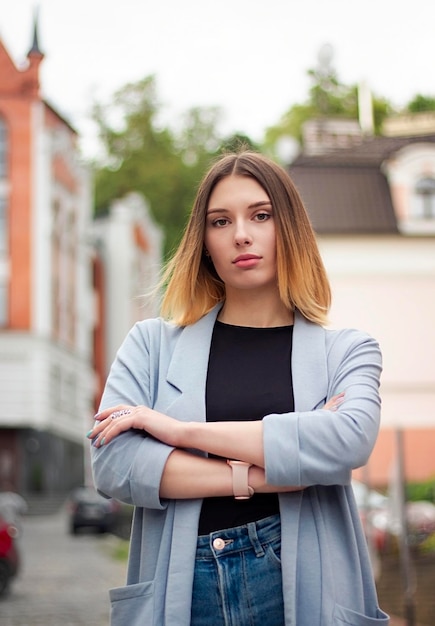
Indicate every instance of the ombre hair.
{"type": "Point", "coordinates": [192, 286]}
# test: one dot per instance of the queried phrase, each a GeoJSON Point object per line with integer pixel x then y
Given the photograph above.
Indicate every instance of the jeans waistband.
{"type": "Point", "coordinates": [252, 535]}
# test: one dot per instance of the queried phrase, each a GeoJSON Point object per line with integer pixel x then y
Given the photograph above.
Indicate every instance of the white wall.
{"type": "Point", "coordinates": [44, 387]}
{"type": "Point", "coordinates": [386, 286]}
{"type": "Point", "coordinates": [130, 272]}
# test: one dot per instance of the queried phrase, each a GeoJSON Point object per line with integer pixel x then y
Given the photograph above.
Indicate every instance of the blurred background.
{"type": "Point", "coordinates": [109, 114]}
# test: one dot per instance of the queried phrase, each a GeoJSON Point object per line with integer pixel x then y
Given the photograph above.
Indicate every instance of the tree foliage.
{"type": "Point", "coordinates": [327, 98]}
{"type": "Point", "coordinates": [144, 156]}
{"type": "Point", "coordinates": [166, 164]}
{"type": "Point", "coordinates": [421, 104]}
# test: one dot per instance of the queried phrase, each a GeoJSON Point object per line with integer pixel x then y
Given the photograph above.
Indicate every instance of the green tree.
{"type": "Point", "coordinates": [420, 104]}
{"type": "Point", "coordinates": [237, 141]}
{"type": "Point", "coordinates": [197, 138]}
{"type": "Point", "coordinates": [327, 97]}
{"type": "Point", "coordinates": [140, 154]}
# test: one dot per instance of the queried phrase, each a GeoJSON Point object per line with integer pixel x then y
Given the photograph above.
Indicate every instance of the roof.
{"type": "Point", "coordinates": [35, 49]}
{"type": "Point", "coordinates": [346, 191]}
{"type": "Point", "coordinates": [346, 200]}
{"type": "Point", "coordinates": [372, 151]}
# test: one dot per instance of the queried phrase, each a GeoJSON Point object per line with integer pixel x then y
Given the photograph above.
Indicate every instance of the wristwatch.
{"type": "Point", "coordinates": [241, 489]}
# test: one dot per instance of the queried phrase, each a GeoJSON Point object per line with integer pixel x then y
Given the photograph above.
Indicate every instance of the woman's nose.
{"type": "Point", "coordinates": [242, 236]}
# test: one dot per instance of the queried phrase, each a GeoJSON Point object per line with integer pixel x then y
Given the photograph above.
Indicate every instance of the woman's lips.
{"type": "Point", "coordinates": [246, 260]}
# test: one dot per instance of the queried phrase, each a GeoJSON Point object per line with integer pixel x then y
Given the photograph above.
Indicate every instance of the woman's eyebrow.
{"type": "Point", "coordinates": [254, 205]}
{"type": "Point", "coordinates": [217, 210]}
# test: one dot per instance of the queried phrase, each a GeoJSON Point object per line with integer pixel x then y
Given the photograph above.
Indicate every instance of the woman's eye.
{"type": "Point", "coordinates": [262, 217]}
{"type": "Point", "coordinates": [222, 221]}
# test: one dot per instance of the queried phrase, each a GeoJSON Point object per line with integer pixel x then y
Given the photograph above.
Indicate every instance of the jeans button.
{"type": "Point", "coordinates": [218, 544]}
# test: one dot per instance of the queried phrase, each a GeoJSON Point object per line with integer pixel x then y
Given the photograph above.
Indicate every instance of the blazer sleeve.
{"type": "Point", "coordinates": [130, 467]}
{"type": "Point", "coordinates": [322, 447]}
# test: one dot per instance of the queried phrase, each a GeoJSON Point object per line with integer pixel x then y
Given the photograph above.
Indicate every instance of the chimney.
{"type": "Point", "coordinates": [365, 109]}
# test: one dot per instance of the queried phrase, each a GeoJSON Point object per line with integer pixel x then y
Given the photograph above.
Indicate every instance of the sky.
{"type": "Point", "coordinates": [249, 57]}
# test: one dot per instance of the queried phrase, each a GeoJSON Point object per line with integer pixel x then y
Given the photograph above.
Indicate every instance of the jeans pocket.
{"type": "Point", "coordinates": [132, 605]}
{"type": "Point", "coordinates": [343, 616]}
{"type": "Point", "coordinates": [273, 551]}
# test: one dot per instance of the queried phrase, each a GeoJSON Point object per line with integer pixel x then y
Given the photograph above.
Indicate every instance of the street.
{"type": "Point", "coordinates": [64, 579]}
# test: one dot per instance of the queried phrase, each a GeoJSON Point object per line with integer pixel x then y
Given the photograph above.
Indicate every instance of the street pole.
{"type": "Point", "coordinates": [406, 566]}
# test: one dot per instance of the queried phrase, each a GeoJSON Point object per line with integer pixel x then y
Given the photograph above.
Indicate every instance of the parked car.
{"type": "Point", "coordinates": [420, 518]}
{"type": "Point", "coordinates": [9, 555]}
{"type": "Point", "coordinates": [373, 508]}
{"type": "Point", "coordinates": [380, 516]}
{"type": "Point", "coordinates": [88, 509]}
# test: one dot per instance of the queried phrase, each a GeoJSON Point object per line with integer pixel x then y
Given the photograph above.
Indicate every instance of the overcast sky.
{"type": "Point", "coordinates": [249, 57]}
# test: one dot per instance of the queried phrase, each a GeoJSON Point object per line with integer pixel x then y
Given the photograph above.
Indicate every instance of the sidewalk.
{"type": "Point", "coordinates": [399, 621]}
{"type": "Point", "coordinates": [390, 589]}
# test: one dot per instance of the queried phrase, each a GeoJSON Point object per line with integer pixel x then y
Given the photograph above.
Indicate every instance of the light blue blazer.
{"type": "Point", "coordinates": [327, 577]}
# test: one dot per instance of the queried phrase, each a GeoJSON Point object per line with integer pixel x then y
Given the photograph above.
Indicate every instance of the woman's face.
{"type": "Point", "coordinates": [240, 234]}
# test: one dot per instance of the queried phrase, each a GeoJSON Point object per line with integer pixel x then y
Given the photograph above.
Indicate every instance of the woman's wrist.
{"type": "Point", "coordinates": [189, 433]}
{"type": "Point", "coordinates": [257, 479]}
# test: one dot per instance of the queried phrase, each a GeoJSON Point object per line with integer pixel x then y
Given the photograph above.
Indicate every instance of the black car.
{"type": "Point", "coordinates": [89, 510]}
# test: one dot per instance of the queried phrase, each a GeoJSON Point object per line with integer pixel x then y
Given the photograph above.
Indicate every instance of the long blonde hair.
{"type": "Point", "coordinates": [192, 286]}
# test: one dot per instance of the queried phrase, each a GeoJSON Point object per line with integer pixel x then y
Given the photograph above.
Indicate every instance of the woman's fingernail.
{"type": "Point", "coordinates": [90, 432]}
{"type": "Point", "coordinates": [102, 441]}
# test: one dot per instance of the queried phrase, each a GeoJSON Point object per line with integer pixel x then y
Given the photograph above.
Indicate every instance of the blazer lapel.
{"type": "Point", "coordinates": [187, 372]}
{"type": "Point", "coordinates": [309, 365]}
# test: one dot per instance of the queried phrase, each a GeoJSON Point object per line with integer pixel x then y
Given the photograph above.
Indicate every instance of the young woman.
{"type": "Point", "coordinates": [233, 428]}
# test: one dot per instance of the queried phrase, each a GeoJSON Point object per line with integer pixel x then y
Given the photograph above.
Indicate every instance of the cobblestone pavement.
{"type": "Point", "coordinates": [64, 579]}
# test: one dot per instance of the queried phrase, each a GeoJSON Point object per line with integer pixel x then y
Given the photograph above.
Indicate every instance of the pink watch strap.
{"type": "Point", "coordinates": [241, 488]}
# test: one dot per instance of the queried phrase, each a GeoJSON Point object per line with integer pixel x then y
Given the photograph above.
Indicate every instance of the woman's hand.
{"type": "Point", "coordinates": [115, 420]}
{"type": "Point", "coordinates": [334, 402]}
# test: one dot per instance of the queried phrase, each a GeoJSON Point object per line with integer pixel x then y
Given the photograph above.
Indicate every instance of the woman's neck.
{"type": "Point", "coordinates": [255, 312]}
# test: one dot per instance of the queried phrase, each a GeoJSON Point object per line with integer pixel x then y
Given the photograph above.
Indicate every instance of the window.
{"type": "Point", "coordinates": [425, 199]}
{"type": "Point", "coordinates": [3, 226]}
{"type": "Point", "coordinates": [3, 174]}
{"type": "Point", "coordinates": [3, 305]}
{"type": "Point", "coordinates": [3, 149]}
{"type": "Point", "coordinates": [56, 387]}
{"type": "Point", "coordinates": [4, 237]}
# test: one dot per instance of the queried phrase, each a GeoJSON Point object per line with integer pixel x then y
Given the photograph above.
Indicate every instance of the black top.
{"type": "Point", "coordinates": [249, 376]}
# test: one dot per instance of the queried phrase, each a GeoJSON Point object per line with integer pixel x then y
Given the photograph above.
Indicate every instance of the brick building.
{"type": "Point", "coordinates": [46, 313]}
{"type": "Point", "coordinates": [70, 287]}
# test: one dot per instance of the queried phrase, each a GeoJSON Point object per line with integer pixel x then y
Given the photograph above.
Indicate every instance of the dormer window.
{"type": "Point", "coordinates": [411, 175]}
{"type": "Point", "coordinates": [424, 207]}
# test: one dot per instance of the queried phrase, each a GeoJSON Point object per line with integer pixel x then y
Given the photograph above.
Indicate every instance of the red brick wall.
{"type": "Point", "coordinates": [419, 456]}
{"type": "Point", "coordinates": [16, 114]}
{"type": "Point", "coordinates": [18, 90]}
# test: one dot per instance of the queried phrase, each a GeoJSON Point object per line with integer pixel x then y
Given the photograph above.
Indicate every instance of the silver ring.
{"type": "Point", "coordinates": [117, 414]}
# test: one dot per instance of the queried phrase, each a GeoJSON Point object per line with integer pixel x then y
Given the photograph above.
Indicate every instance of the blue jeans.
{"type": "Point", "coordinates": [237, 579]}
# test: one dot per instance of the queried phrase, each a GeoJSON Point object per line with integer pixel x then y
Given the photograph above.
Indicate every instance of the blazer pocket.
{"type": "Point", "coordinates": [348, 617]}
{"type": "Point", "coordinates": [132, 605]}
